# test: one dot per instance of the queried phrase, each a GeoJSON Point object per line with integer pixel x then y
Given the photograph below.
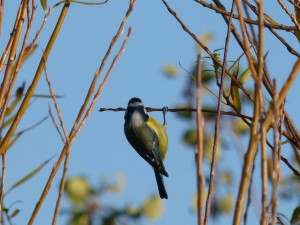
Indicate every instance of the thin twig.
{"type": "Point", "coordinates": [275, 158]}
{"type": "Point", "coordinates": [217, 123]}
{"type": "Point", "coordinates": [150, 109]}
{"type": "Point", "coordinates": [263, 131]}
{"type": "Point", "coordinates": [11, 39]}
{"type": "Point", "coordinates": [98, 93]}
{"type": "Point", "coordinates": [250, 155]}
{"type": "Point", "coordinates": [1, 14]}
{"type": "Point", "coordinates": [281, 39]}
{"type": "Point", "coordinates": [55, 124]}
{"type": "Point", "coordinates": [199, 148]}
{"type": "Point", "coordinates": [192, 35]}
{"type": "Point", "coordinates": [16, 67]}
{"type": "Point", "coordinates": [287, 11]}
{"type": "Point", "coordinates": [247, 20]}
{"type": "Point", "coordinates": [30, 91]}
{"type": "Point", "coordinates": [66, 142]}
{"type": "Point", "coordinates": [82, 110]}
{"type": "Point", "coordinates": [11, 58]}
{"type": "Point", "coordinates": [2, 191]}
{"type": "Point", "coordinates": [58, 111]}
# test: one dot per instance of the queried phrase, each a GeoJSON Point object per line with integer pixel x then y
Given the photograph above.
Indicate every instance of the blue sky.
{"type": "Point", "coordinates": [101, 148]}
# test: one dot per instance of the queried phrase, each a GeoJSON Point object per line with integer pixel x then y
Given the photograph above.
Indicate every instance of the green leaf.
{"type": "Point", "coordinates": [80, 218]}
{"type": "Point", "coordinates": [13, 141]}
{"type": "Point", "coordinates": [190, 137]}
{"type": "Point", "coordinates": [14, 213]}
{"type": "Point", "coordinates": [244, 76]}
{"type": "Point", "coordinates": [170, 70]}
{"type": "Point", "coordinates": [152, 208]}
{"type": "Point", "coordinates": [78, 189]}
{"type": "Point", "coordinates": [215, 64]}
{"type": "Point", "coordinates": [29, 175]}
{"type": "Point", "coordinates": [239, 127]}
{"type": "Point", "coordinates": [27, 53]}
{"type": "Point", "coordinates": [79, 2]}
{"type": "Point", "coordinates": [270, 20]}
{"type": "Point", "coordinates": [296, 216]}
{"type": "Point", "coordinates": [46, 96]}
{"type": "Point", "coordinates": [18, 96]}
{"type": "Point", "coordinates": [225, 204]}
{"type": "Point", "coordinates": [234, 91]}
{"type": "Point", "coordinates": [236, 61]}
{"type": "Point", "coordinates": [19, 134]}
{"type": "Point", "coordinates": [208, 148]}
{"type": "Point", "coordinates": [119, 186]}
{"type": "Point", "coordinates": [44, 4]}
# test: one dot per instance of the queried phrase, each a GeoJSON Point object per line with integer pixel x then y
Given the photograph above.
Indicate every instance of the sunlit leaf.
{"type": "Point", "coordinates": [80, 218]}
{"type": "Point", "coordinates": [119, 186]}
{"type": "Point", "coordinates": [132, 211]}
{"type": "Point", "coordinates": [205, 38]}
{"type": "Point", "coordinates": [234, 91]}
{"type": "Point", "coordinates": [44, 4]}
{"type": "Point", "coordinates": [190, 137]}
{"type": "Point", "coordinates": [13, 141]}
{"type": "Point", "coordinates": [78, 189]}
{"type": "Point", "coordinates": [14, 213]}
{"type": "Point", "coordinates": [270, 20]}
{"type": "Point", "coordinates": [215, 64]}
{"type": "Point", "coordinates": [170, 70]}
{"type": "Point", "coordinates": [26, 54]}
{"type": "Point", "coordinates": [225, 204]}
{"type": "Point", "coordinates": [152, 208]}
{"type": "Point", "coordinates": [244, 76]}
{"type": "Point", "coordinates": [208, 148]}
{"type": "Point", "coordinates": [8, 121]}
{"type": "Point", "coordinates": [29, 175]}
{"type": "Point", "coordinates": [226, 177]}
{"type": "Point", "coordinates": [239, 127]}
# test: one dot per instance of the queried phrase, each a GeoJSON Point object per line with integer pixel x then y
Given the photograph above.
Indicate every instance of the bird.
{"type": "Point", "coordinates": [149, 139]}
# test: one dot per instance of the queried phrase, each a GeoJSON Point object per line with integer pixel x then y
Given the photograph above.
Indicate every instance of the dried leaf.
{"type": "Point", "coordinates": [29, 175]}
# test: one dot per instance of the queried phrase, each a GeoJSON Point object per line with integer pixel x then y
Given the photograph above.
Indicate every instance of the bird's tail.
{"type": "Point", "coordinates": [161, 186]}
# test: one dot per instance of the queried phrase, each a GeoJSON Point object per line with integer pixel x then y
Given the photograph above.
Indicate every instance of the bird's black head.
{"type": "Point", "coordinates": [136, 105]}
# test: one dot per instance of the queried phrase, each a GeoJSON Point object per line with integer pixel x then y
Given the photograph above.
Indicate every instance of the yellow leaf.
{"type": "Point", "coordinates": [170, 70]}
{"type": "Point", "coordinates": [152, 208]}
{"type": "Point", "coordinates": [225, 204]}
{"type": "Point", "coordinates": [78, 189]}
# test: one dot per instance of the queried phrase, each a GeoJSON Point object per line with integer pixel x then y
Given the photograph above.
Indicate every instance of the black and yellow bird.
{"type": "Point", "coordinates": [149, 138]}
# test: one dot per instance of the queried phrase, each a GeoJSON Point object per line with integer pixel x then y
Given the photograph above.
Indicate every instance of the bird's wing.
{"type": "Point", "coordinates": [161, 134]}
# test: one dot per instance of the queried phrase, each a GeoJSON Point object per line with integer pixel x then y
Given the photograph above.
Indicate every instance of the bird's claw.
{"type": "Point", "coordinates": [165, 110]}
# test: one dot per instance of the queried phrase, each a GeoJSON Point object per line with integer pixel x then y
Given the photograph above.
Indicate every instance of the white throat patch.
{"type": "Point", "coordinates": [136, 119]}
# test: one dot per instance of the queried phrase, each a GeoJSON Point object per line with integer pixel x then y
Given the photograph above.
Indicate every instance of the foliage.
{"type": "Point", "coordinates": [88, 205]}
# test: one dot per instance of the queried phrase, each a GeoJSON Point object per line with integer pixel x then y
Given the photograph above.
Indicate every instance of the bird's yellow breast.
{"type": "Point", "coordinates": [161, 134]}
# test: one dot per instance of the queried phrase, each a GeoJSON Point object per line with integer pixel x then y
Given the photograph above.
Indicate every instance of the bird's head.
{"type": "Point", "coordinates": [135, 113]}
